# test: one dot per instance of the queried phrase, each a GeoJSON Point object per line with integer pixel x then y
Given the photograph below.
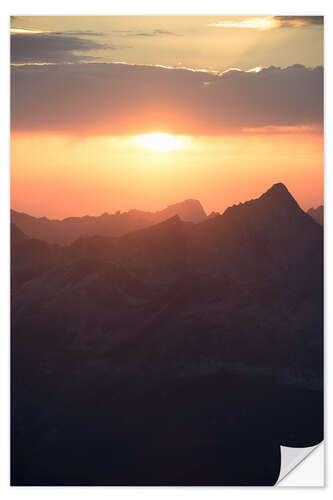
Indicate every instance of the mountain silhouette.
{"type": "Point", "coordinates": [317, 214]}
{"type": "Point", "coordinates": [183, 353]}
{"type": "Point", "coordinates": [68, 230]}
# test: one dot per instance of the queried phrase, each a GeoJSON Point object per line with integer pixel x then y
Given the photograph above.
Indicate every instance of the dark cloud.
{"type": "Point", "coordinates": [165, 32]}
{"type": "Point", "coordinates": [291, 21]}
{"type": "Point", "coordinates": [51, 48]}
{"type": "Point", "coordinates": [123, 99]}
{"type": "Point", "coordinates": [78, 33]}
{"type": "Point", "coordinates": [155, 32]}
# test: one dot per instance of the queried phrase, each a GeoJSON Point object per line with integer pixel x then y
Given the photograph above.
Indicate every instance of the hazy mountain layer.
{"type": "Point", "coordinates": [177, 354]}
{"type": "Point", "coordinates": [68, 230]}
{"type": "Point", "coordinates": [317, 214]}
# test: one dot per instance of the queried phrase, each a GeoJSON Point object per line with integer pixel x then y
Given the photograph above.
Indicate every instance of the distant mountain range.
{"type": "Point", "coordinates": [68, 230]}
{"type": "Point", "coordinates": [181, 353]}
{"type": "Point", "coordinates": [317, 214]}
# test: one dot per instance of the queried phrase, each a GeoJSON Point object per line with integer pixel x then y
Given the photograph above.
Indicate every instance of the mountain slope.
{"type": "Point", "coordinates": [255, 255]}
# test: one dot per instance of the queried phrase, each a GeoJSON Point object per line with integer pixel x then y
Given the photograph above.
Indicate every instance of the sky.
{"type": "Point", "coordinates": [114, 113]}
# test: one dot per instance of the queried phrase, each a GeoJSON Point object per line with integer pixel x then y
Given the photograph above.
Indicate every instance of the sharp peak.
{"type": "Point", "coordinates": [278, 192]}
{"type": "Point", "coordinates": [278, 187]}
{"type": "Point", "coordinates": [277, 195]}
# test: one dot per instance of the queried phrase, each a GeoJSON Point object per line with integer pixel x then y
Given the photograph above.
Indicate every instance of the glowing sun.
{"type": "Point", "coordinates": [159, 142]}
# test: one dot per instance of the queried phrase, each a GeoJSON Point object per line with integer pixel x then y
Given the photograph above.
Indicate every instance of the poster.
{"type": "Point", "coordinates": [166, 248]}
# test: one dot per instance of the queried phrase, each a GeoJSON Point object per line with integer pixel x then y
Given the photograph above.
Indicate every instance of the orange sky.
{"type": "Point", "coordinates": [59, 176]}
{"type": "Point", "coordinates": [78, 116]}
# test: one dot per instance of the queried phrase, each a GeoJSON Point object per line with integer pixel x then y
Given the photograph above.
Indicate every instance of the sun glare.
{"type": "Point", "coordinates": [159, 142]}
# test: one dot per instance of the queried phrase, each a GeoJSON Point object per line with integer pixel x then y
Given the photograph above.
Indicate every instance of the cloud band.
{"type": "Point", "coordinates": [98, 98]}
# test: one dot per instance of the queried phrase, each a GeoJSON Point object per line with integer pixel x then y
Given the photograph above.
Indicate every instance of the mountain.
{"type": "Point", "coordinates": [178, 354]}
{"type": "Point", "coordinates": [212, 215]}
{"type": "Point", "coordinates": [68, 230]}
{"type": "Point", "coordinates": [17, 236]}
{"type": "Point", "coordinates": [317, 214]}
{"type": "Point", "coordinates": [188, 210]}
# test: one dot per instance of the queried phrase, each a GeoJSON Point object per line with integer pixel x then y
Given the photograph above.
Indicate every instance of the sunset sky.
{"type": "Point", "coordinates": [113, 113]}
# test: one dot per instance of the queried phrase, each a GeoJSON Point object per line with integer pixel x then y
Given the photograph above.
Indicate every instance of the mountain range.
{"type": "Point", "coordinates": [68, 230]}
{"type": "Point", "coordinates": [184, 352]}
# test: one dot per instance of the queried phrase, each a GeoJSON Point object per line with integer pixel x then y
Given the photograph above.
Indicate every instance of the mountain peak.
{"type": "Point", "coordinates": [278, 186]}
{"type": "Point", "coordinates": [276, 200]}
{"type": "Point", "coordinates": [278, 189]}
{"type": "Point", "coordinates": [278, 194]}
{"type": "Point", "coordinates": [189, 210]}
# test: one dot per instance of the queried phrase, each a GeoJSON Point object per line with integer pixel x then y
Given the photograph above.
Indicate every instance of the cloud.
{"type": "Point", "coordinates": [155, 32]}
{"type": "Point", "coordinates": [43, 47]}
{"type": "Point", "coordinates": [299, 21]}
{"type": "Point", "coordinates": [268, 22]}
{"type": "Point", "coordinates": [78, 33]}
{"type": "Point", "coordinates": [113, 99]}
{"type": "Point", "coordinates": [27, 31]}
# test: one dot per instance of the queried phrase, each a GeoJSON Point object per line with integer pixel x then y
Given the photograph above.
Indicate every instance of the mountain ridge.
{"type": "Point", "coordinates": [65, 231]}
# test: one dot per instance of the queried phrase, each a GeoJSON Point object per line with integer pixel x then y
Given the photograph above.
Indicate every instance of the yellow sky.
{"type": "Point", "coordinates": [193, 41]}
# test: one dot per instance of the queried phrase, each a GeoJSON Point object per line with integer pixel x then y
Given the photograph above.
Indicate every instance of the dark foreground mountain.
{"type": "Point", "coordinates": [317, 214]}
{"type": "Point", "coordinates": [179, 354]}
{"type": "Point", "coordinates": [68, 230]}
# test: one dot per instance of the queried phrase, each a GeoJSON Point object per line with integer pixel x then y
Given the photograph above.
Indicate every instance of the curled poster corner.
{"type": "Point", "coordinates": [291, 458]}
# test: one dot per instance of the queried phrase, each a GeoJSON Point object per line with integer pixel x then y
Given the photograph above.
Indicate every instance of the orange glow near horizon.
{"type": "Point", "coordinates": [60, 176]}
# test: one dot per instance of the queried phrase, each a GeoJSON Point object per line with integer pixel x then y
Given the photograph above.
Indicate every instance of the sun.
{"type": "Point", "coordinates": [159, 142]}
